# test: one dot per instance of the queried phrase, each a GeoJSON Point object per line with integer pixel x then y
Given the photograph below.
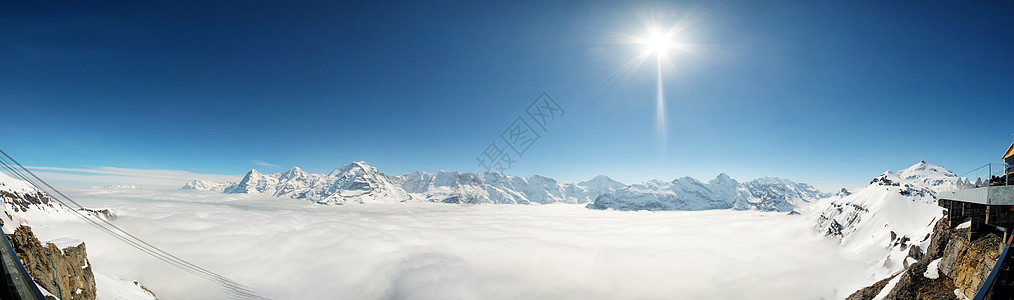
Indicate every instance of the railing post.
{"type": "Point", "coordinates": [56, 283]}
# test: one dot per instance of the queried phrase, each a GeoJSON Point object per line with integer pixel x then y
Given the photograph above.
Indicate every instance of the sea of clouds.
{"type": "Point", "coordinates": [291, 249]}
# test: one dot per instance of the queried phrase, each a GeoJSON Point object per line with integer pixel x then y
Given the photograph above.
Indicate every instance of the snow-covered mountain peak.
{"type": "Point", "coordinates": [921, 178]}
{"type": "Point", "coordinates": [295, 172]}
{"type": "Point", "coordinates": [252, 175]}
{"type": "Point", "coordinates": [361, 165]}
{"type": "Point", "coordinates": [894, 212]}
{"type": "Point", "coordinates": [254, 182]}
{"type": "Point", "coordinates": [930, 175]}
{"type": "Point", "coordinates": [724, 180]}
{"type": "Point", "coordinates": [359, 182]}
{"type": "Point", "coordinates": [358, 167]}
{"type": "Point", "coordinates": [685, 180]}
{"type": "Point", "coordinates": [602, 182]}
{"type": "Point", "coordinates": [600, 179]}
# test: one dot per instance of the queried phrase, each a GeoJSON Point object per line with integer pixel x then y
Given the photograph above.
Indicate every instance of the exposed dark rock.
{"type": "Point", "coordinates": [867, 293]}
{"type": "Point", "coordinates": [963, 265]}
{"type": "Point", "coordinates": [106, 214]}
{"type": "Point", "coordinates": [913, 285]}
{"type": "Point", "coordinates": [74, 272]}
{"type": "Point", "coordinates": [915, 252]}
{"type": "Point", "coordinates": [21, 202]}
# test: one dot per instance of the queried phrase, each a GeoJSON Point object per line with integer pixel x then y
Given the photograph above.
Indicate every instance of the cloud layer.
{"type": "Point", "coordinates": [147, 178]}
{"type": "Point", "coordinates": [290, 249]}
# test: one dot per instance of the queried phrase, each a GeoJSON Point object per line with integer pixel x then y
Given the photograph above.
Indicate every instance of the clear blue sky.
{"type": "Point", "coordinates": [828, 92]}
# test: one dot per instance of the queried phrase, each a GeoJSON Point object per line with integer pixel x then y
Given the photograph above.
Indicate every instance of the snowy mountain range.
{"type": "Point", "coordinates": [207, 185]}
{"type": "Point", "coordinates": [723, 192]}
{"type": "Point", "coordinates": [888, 218]}
{"type": "Point", "coordinates": [361, 183]}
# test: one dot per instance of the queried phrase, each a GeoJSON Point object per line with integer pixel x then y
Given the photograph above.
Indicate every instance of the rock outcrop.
{"type": "Point", "coordinates": [871, 291]}
{"type": "Point", "coordinates": [73, 272]}
{"type": "Point", "coordinates": [65, 257]}
{"type": "Point", "coordinates": [952, 266]}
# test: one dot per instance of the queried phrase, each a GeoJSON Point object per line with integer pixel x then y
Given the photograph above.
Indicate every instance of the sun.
{"type": "Point", "coordinates": [657, 42]}
{"type": "Point", "coordinates": [661, 42]}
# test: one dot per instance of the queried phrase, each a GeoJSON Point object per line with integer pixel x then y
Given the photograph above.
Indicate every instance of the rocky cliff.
{"type": "Point", "coordinates": [952, 267]}
{"type": "Point", "coordinates": [70, 264]}
{"type": "Point", "coordinates": [67, 257]}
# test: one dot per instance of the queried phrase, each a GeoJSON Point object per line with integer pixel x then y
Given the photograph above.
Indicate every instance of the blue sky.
{"type": "Point", "coordinates": [827, 92]}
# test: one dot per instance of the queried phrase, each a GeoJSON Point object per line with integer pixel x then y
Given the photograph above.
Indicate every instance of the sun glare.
{"type": "Point", "coordinates": [661, 42]}
{"type": "Point", "coordinates": [657, 42]}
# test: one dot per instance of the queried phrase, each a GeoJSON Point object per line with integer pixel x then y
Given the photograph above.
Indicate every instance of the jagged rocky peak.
{"type": "Point", "coordinates": [843, 193]}
{"type": "Point", "coordinates": [251, 176]}
{"type": "Point", "coordinates": [255, 183]}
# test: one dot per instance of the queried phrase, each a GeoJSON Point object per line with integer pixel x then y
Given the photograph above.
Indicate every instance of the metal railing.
{"type": "Point", "coordinates": [991, 174]}
{"type": "Point", "coordinates": [17, 283]}
{"type": "Point", "coordinates": [998, 283]}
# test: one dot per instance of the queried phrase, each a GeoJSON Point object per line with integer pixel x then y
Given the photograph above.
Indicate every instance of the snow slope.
{"type": "Point", "coordinates": [887, 218]}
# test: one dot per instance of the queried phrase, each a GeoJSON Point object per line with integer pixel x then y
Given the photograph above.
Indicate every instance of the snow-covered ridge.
{"type": "Point", "coordinates": [723, 192]}
{"type": "Point", "coordinates": [362, 183]}
{"type": "Point", "coordinates": [21, 197]}
{"type": "Point", "coordinates": [890, 216]}
{"type": "Point", "coordinates": [207, 185]}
